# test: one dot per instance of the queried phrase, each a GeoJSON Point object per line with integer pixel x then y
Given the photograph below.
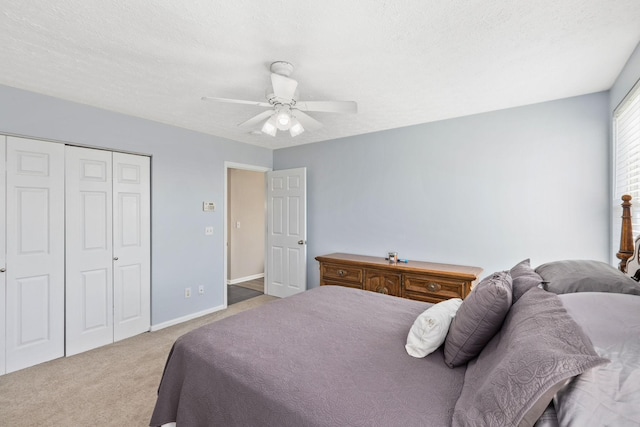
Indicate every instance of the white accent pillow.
{"type": "Point", "coordinates": [430, 328]}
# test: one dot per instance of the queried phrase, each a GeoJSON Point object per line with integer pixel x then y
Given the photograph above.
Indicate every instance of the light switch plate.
{"type": "Point", "coordinates": [208, 206]}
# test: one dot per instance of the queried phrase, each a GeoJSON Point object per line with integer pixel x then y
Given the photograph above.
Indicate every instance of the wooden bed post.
{"type": "Point", "coordinates": [626, 234]}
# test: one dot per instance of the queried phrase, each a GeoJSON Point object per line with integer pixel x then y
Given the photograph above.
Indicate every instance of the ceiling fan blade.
{"type": "Point", "coordinates": [307, 122]}
{"type": "Point", "coordinates": [328, 106]}
{"type": "Point", "coordinates": [283, 87]}
{"type": "Point", "coordinates": [236, 101]}
{"type": "Point", "coordinates": [257, 119]}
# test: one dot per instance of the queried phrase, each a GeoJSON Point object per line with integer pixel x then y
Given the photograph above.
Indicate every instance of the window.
{"type": "Point", "coordinates": [626, 137]}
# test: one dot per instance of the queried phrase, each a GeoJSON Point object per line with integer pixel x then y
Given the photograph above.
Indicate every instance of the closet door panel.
{"type": "Point", "coordinates": [89, 249]}
{"type": "Point", "coordinates": [131, 243]}
{"type": "Point", "coordinates": [3, 247]}
{"type": "Point", "coordinates": [35, 252]}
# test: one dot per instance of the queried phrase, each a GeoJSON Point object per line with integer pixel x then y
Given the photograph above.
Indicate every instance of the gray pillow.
{"type": "Point", "coordinates": [524, 278]}
{"type": "Point", "coordinates": [478, 319]}
{"type": "Point", "coordinates": [539, 348]}
{"type": "Point", "coordinates": [570, 276]}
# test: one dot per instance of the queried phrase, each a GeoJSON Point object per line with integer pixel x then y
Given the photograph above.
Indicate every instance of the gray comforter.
{"type": "Point", "coordinates": [331, 356]}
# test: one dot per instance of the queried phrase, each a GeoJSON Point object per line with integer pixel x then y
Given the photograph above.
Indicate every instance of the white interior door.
{"type": "Point", "coordinates": [287, 232]}
{"type": "Point", "coordinates": [89, 249]}
{"type": "Point", "coordinates": [3, 248]}
{"type": "Point", "coordinates": [131, 245]}
{"type": "Point", "coordinates": [35, 252]}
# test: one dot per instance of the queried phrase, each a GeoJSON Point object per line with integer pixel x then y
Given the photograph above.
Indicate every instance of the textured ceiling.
{"type": "Point", "coordinates": [403, 61]}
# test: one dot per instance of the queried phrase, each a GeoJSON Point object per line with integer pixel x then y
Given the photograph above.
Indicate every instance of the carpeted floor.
{"type": "Point", "coordinates": [114, 385]}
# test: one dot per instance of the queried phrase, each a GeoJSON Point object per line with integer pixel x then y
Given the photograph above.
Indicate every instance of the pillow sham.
{"type": "Point", "coordinates": [539, 348]}
{"type": "Point", "coordinates": [607, 395]}
{"type": "Point", "coordinates": [479, 318]}
{"type": "Point", "coordinates": [585, 276]}
{"type": "Point", "coordinates": [549, 418]}
{"type": "Point", "coordinates": [430, 328]}
{"type": "Point", "coordinates": [524, 278]}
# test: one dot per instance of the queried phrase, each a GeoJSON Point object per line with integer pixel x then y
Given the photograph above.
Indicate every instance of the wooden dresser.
{"type": "Point", "coordinates": [423, 281]}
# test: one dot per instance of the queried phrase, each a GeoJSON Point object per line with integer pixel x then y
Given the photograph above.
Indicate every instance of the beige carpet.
{"type": "Point", "coordinates": [115, 385]}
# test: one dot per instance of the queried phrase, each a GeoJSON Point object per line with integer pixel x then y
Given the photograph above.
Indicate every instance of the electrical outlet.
{"type": "Point", "coordinates": [201, 290]}
{"type": "Point", "coordinates": [208, 231]}
{"type": "Point", "coordinates": [187, 292]}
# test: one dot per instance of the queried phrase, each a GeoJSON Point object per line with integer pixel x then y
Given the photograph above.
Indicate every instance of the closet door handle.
{"type": "Point", "coordinates": [2, 270]}
{"type": "Point", "coordinates": [115, 258]}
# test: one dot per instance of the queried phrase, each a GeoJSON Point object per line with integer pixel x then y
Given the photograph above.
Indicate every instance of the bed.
{"type": "Point", "coordinates": [545, 346]}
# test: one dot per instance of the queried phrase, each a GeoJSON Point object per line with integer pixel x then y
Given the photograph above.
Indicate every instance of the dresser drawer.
{"type": "Point", "coordinates": [354, 285]}
{"type": "Point", "coordinates": [342, 273]}
{"type": "Point", "coordinates": [383, 282]}
{"type": "Point", "coordinates": [434, 289]}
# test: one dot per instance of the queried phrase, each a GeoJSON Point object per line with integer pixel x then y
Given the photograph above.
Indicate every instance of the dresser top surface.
{"type": "Point", "coordinates": [412, 266]}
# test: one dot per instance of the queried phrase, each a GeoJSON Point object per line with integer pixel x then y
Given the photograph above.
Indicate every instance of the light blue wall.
{"type": "Point", "coordinates": [187, 169]}
{"type": "Point", "coordinates": [487, 190]}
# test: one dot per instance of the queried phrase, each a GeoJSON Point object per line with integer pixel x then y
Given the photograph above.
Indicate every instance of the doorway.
{"type": "Point", "coordinates": [245, 231]}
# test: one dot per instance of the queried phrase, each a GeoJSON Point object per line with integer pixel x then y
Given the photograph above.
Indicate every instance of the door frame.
{"type": "Point", "coordinates": [247, 167]}
{"type": "Point", "coordinates": [3, 253]}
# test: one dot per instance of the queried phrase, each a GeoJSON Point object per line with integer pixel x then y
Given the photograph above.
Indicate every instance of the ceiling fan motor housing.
{"type": "Point", "coordinates": [276, 100]}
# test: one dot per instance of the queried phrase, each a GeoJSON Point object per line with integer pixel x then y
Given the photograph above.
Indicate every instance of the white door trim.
{"type": "Point", "coordinates": [247, 167]}
{"type": "Point", "coordinates": [3, 247]}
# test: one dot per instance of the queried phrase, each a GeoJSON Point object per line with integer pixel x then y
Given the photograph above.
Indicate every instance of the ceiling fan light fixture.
{"type": "Point", "coordinates": [284, 119]}
{"type": "Point", "coordinates": [296, 127]}
{"type": "Point", "coordinates": [270, 127]}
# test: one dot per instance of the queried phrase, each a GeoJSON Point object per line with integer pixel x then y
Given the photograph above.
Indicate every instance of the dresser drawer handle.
{"type": "Point", "coordinates": [383, 290]}
{"type": "Point", "coordinates": [434, 287]}
{"type": "Point", "coordinates": [342, 273]}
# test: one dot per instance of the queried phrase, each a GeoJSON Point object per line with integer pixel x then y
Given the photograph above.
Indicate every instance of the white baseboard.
{"type": "Point", "coordinates": [182, 319]}
{"type": "Point", "coordinates": [245, 279]}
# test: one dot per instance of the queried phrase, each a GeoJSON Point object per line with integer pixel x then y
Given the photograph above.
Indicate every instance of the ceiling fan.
{"type": "Point", "coordinates": [286, 112]}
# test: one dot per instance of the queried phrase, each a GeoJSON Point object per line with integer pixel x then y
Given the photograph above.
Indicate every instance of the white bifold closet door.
{"type": "Point", "coordinates": [89, 248]}
{"type": "Point", "coordinates": [131, 245]}
{"type": "Point", "coordinates": [108, 247]}
{"type": "Point", "coordinates": [34, 252]}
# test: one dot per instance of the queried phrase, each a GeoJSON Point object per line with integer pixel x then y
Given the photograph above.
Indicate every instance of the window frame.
{"type": "Point", "coordinates": [630, 101]}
